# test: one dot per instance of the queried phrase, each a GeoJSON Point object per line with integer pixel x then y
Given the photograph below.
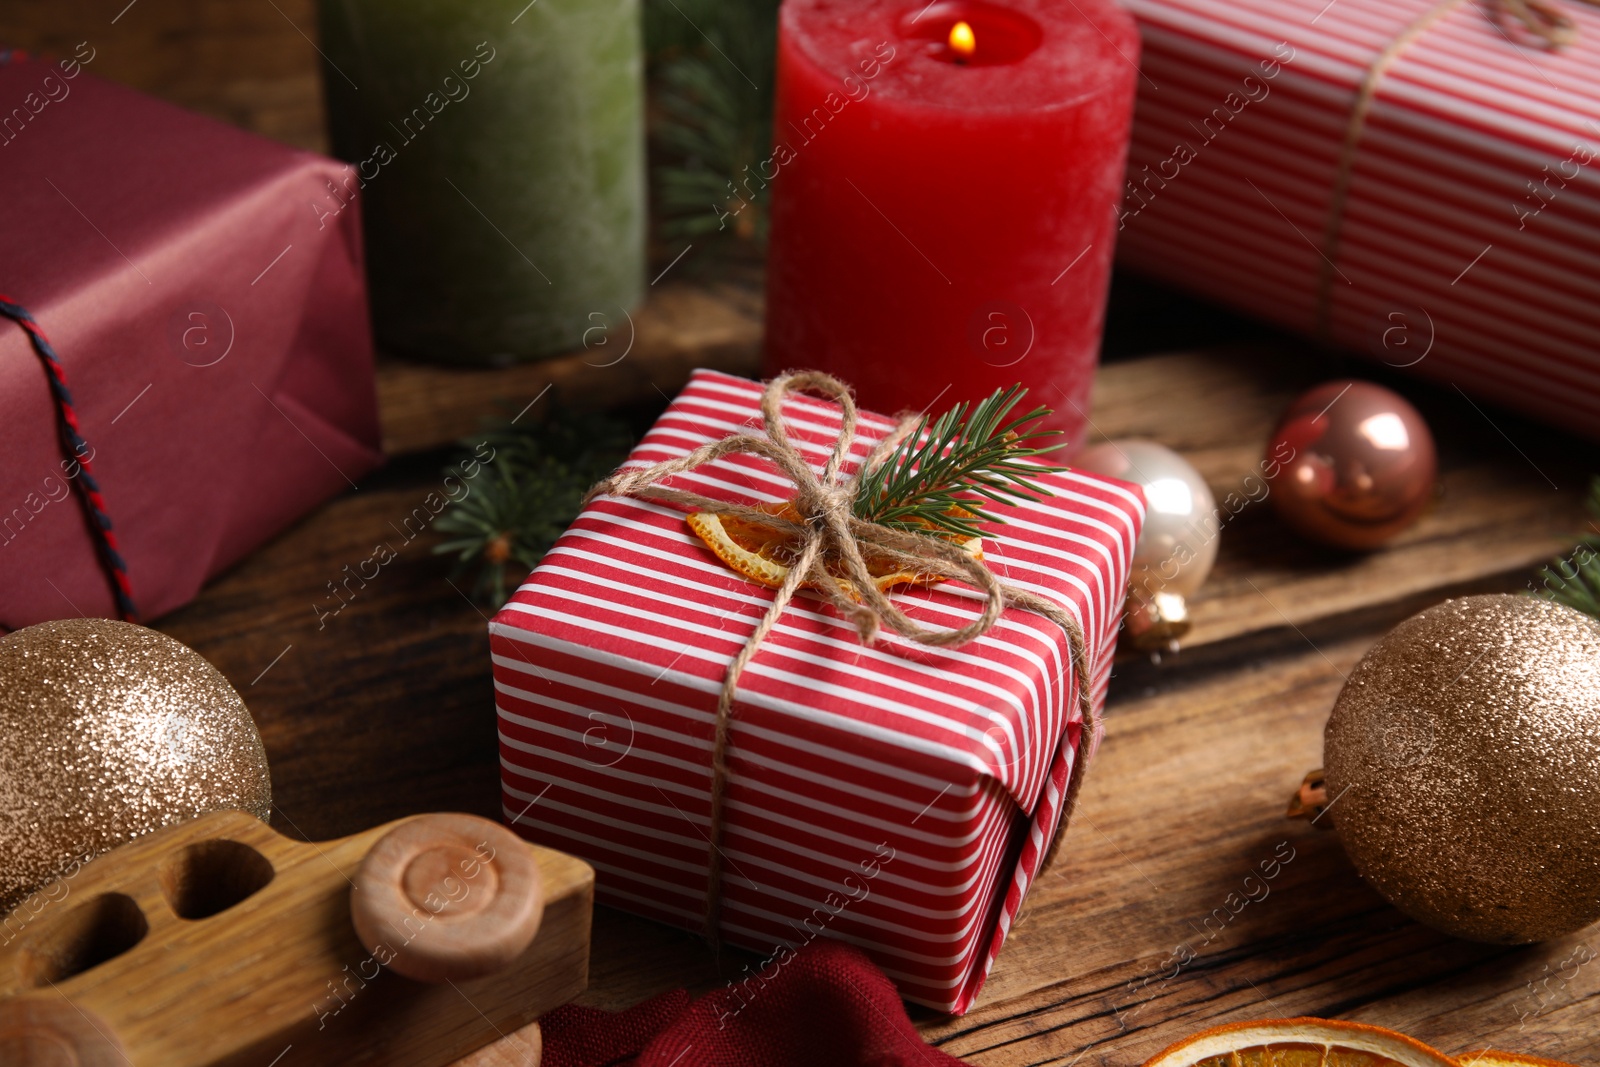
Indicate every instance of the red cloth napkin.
{"type": "Point", "coordinates": [827, 1004]}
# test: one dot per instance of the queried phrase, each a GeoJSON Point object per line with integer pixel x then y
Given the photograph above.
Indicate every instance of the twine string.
{"type": "Point", "coordinates": [830, 535]}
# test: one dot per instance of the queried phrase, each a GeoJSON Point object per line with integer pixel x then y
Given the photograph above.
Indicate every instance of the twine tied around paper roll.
{"type": "Point", "coordinates": [1543, 18]}
{"type": "Point", "coordinates": [830, 533]}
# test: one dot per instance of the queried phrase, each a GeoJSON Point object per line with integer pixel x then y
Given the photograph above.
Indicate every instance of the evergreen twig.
{"type": "Point", "coordinates": [1575, 579]}
{"type": "Point", "coordinates": [530, 491]}
{"type": "Point", "coordinates": [941, 474]}
{"type": "Point", "coordinates": [937, 479]}
{"type": "Point", "coordinates": [713, 70]}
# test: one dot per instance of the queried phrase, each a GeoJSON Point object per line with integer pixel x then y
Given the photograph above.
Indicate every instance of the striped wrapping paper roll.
{"type": "Point", "coordinates": [896, 796]}
{"type": "Point", "coordinates": [1469, 249]}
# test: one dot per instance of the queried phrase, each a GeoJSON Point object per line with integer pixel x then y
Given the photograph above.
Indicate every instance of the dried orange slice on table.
{"type": "Point", "coordinates": [1300, 1043]}
{"type": "Point", "coordinates": [764, 553]}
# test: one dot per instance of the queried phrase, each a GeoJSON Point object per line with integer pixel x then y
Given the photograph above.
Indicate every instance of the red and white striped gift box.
{"type": "Point", "coordinates": [896, 796]}
{"type": "Point", "coordinates": [1470, 244]}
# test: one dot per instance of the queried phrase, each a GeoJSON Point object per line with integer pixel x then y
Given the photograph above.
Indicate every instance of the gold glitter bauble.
{"type": "Point", "coordinates": [109, 731]}
{"type": "Point", "coordinates": [1463, 768]}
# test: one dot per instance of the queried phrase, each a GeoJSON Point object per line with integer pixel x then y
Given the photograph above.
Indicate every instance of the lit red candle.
{"type": "Point", "coordinates": [944, 186]}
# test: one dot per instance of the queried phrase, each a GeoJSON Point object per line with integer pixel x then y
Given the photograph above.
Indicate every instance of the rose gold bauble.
{"type": "Point", "coordinates": [1351, 464]}
{"type": "Point", "coordinates": [109, 731]}
{"type": "Point", "coordinates": [1463, 768]}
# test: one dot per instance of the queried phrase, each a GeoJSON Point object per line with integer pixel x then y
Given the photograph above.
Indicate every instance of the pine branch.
{"type": "Point", "coordinates": [712, 73]}
{"type": "Point", "coordinates": [941, 474]}
{"type": "Point", "coordinates": [529, 493]}
{"type": "Point", "coordinates": [1575, 579]}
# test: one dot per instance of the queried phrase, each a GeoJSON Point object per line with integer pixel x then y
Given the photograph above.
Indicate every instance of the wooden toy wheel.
{"type": "Point", "coordinates": [446, 897]}
{"type": "Point", "coordinates": [55, 1033]}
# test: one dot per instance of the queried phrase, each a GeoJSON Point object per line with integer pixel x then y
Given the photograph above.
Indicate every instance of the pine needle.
{"type": "Point", "coordinates": [1574, 580]}
{"type": "Point", "coordinates": [942, 473]}
{"type": "Point", "coordinates": [712, 74]}
{"type": "Point", "coordinates": [938, 479]}
{"type": "Point", "coordinates": [526, 496]}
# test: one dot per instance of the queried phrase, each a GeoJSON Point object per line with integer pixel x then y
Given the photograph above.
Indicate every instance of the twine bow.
{"type": "Point", "coordinates": [829, 535]}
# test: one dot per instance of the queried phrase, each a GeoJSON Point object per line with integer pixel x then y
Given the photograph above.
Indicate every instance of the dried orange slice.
{"type": "Point", "coordinates": [764, 553]}
{"type": "Point", "coordinates": [1300, 1043]}
{"type": "Point", "coordinates": [1490, 1057]}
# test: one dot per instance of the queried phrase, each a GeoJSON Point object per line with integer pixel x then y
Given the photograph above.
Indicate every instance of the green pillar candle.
{"type": "Point", "coordinates": [499, 150]}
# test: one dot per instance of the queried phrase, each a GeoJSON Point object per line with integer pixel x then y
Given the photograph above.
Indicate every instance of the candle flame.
{"type": "Point", "coordinates": [962, 40]}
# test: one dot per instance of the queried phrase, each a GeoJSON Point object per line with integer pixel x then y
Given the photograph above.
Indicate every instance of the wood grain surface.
{"type": "Point", "coordinates": [385, 708]}
{"type": "Point", "coordinates": [253, 63]}
{"type": "Point", "coordinates": [632, 358]}
{"type": "Point", "coordinates": [1136, 938]}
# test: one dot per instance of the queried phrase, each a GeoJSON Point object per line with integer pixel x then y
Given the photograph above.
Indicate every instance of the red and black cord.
{"type": "Point", "coordinates": [76, 451]}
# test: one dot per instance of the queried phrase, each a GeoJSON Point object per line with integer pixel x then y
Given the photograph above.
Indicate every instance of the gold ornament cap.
{"type": "Point", "coordinates": [1158, 621]}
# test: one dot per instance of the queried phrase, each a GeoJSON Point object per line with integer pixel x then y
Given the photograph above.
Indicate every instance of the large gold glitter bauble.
{"type": "Point", "coordinates": [109, 731]}
{"type": "Point", "coordinates": [1463, 768]}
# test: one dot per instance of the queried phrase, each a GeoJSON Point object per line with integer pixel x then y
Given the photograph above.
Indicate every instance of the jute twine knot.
{"type": "Point", "coordinates": [828, 539]}
{"type": "Point", "coordinates": [1545, 20]}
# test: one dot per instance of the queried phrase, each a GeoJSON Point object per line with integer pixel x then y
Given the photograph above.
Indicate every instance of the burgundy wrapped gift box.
{"type": "Point", "coordinates": [204, 292]}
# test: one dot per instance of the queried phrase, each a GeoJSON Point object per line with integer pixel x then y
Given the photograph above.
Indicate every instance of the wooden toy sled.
{"type": "Point", "coordinates": [220, 943]}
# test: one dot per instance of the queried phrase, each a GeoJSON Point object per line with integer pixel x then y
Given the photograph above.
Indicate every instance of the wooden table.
{"type": "Point", "coordinates": [387, 710]}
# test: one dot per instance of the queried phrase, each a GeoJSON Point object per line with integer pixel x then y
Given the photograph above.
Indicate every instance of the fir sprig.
{"type": "Point", "coordinates": [938, 477]}
{"type": "Point", "coordinates": [531, 491]}
{"type": "Point", "coordinates": [1575, 579]}
{"type": "Point", "coordinates": [712, 73]}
